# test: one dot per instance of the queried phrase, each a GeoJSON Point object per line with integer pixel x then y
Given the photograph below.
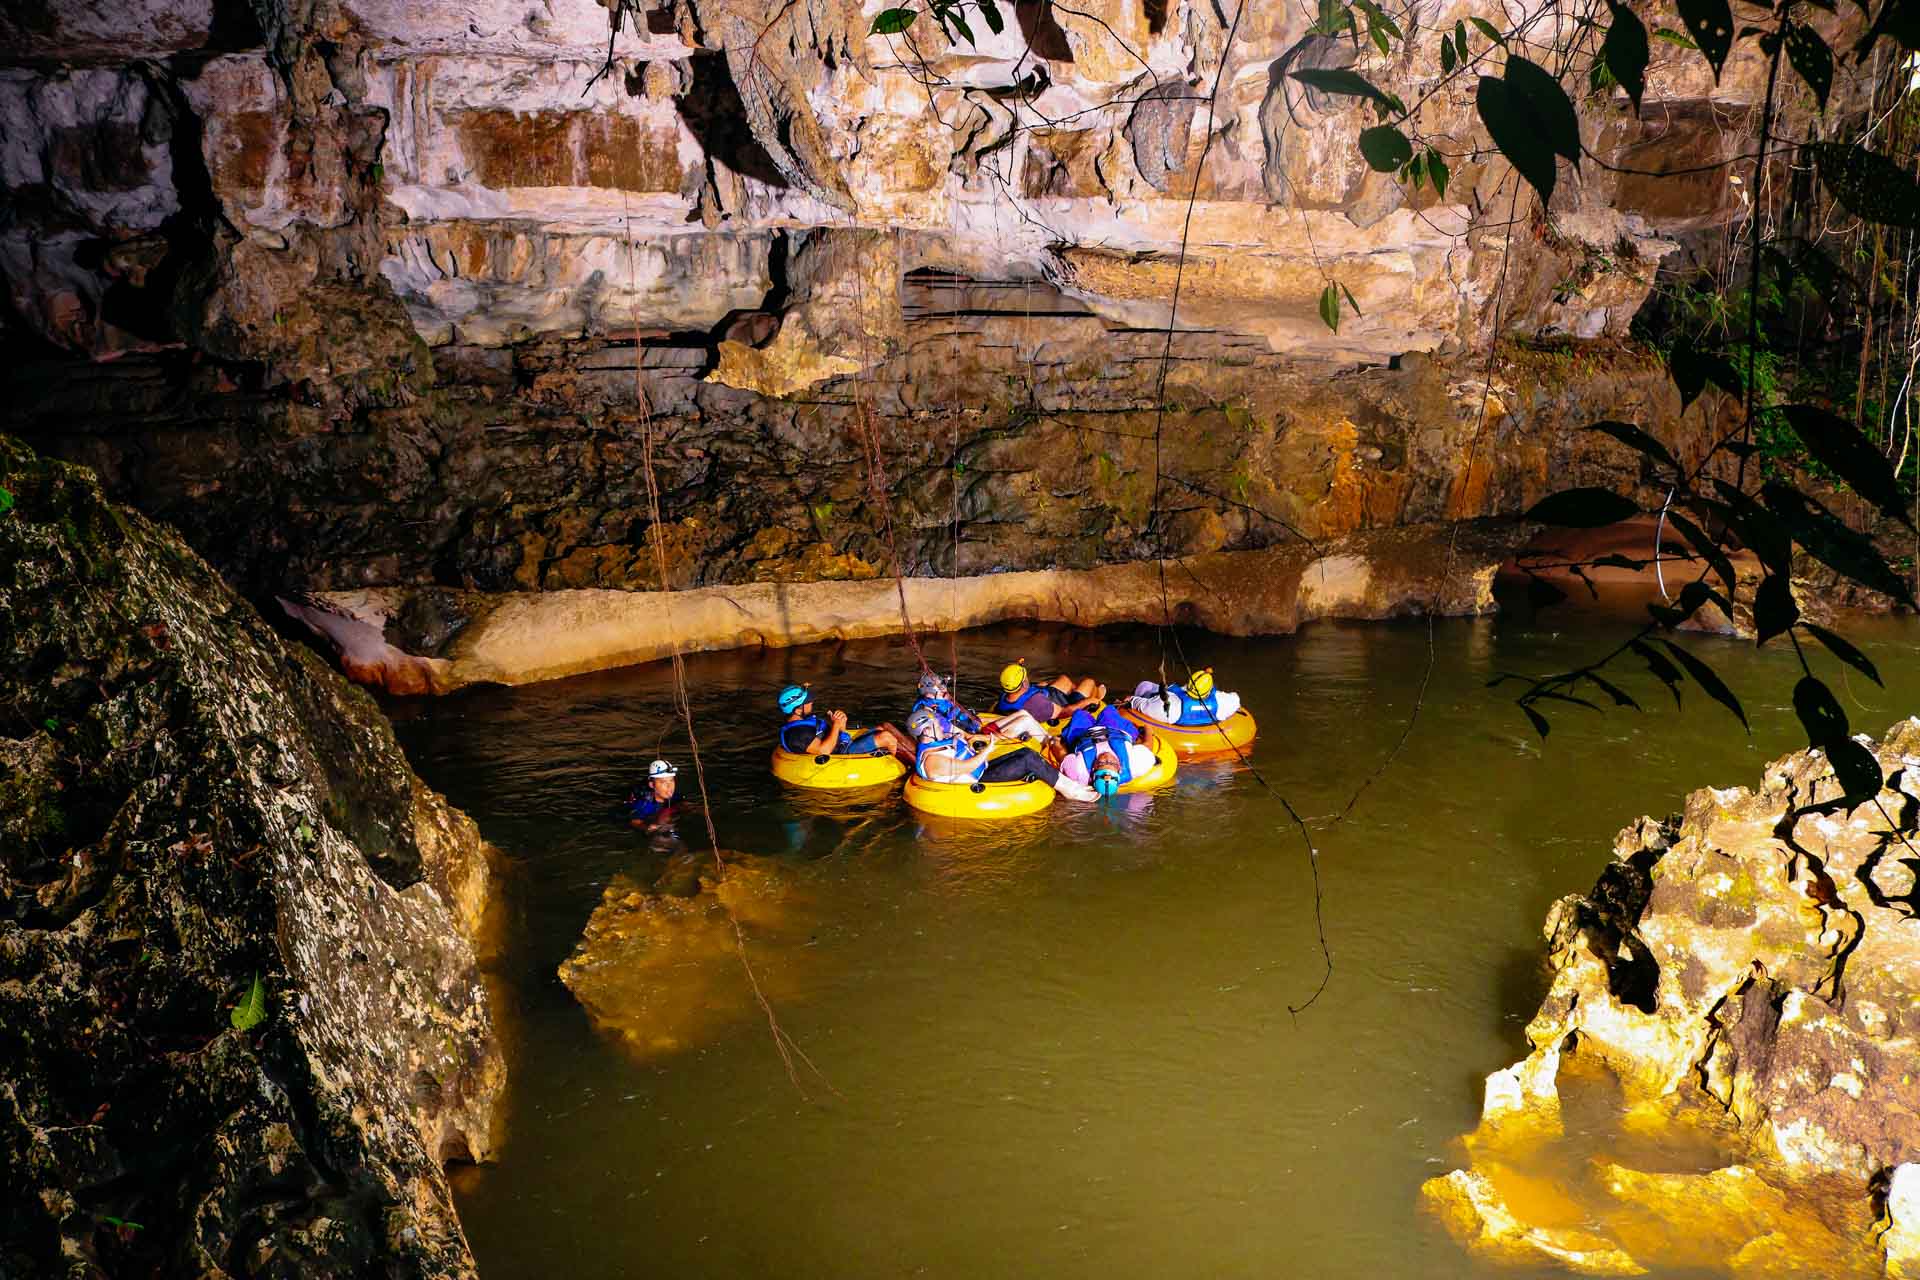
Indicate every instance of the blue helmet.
{"type": "Point", "coordinates": [1106, 779]}
{"type": "Point", "coordinates": [794, 697]}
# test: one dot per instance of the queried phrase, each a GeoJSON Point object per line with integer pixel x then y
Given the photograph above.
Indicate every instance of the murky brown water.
{"type": "Point", "coordinates": [1062, 1047]}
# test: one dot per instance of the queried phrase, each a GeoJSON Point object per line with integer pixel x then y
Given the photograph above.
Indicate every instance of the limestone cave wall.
{"type": "Point", "coordinates": [360, 293]}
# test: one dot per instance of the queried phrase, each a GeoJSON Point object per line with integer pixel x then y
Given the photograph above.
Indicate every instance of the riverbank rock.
{"type": "Point", "coordinates": [1756, 959]}
{"type": "Point", "coordinates": [240, 1009]}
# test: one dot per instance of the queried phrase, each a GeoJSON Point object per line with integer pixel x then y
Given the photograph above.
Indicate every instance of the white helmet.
{"type": "Point", "coordinates": [924, 724]}
{"type": "Point", "coordinates": [661, 769]}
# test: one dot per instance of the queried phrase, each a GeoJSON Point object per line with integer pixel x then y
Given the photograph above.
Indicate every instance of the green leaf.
{"type": "Point", "coordinates": [1756, 527]}
{"type": "Point", "coordinates": [1584, 508]}
{"type": "Point", "coordinates": [1898, 18]}
{"type": "Point", "coordinates": [1460, 41]}
{"type": "Point", "coordinates": [1671, 36]}
{"type": "Point", "coordinates": [252, 1010]}
{"type": "Point", "coordinates": [1693, 368]}
{"type": "Point", "coordinates": [1385, 147]}
{"type": "Point", "coordinates": [1448, 59]}
{"type": "Point", "coordinates": [1846, 450]}
{"type": "Point", "coordinates": [991, 12]}
{"type": "Point", "coordinates": [1351, 301]}
{"type": "Point", "coordinates": [6, 501]}
{"type": "Point", "coordinates": [1330, 308]}
{"type": "Point", "coordinates": [1710, 23]}
{"type": "Point", "coordinates": [1819, 711]}
{"type": "Point", "coordinates": [1620, 696]}
{"type": "Point", "coordinates": [1704, 676]}
{"type": "Point", "coordinates": [1625, 51]}
{"type": "Point", "coordinates": [960, 25]}
{"type": "Point", "coordinates": [1774, 610]}
{"type": "Point", "coordinates": [1490, 31]}
{"type": "Point", "coordinates": [1505, 117]}
{"type": "Point", "coordinates": [1634, 438]}
{"type": "Point", "coordinates": [1869, 184]}
{"type": "Point", "coordinates": [1845, 651]}
{"type": "Point", "coordinates": [1337, 80]}
{"type": "Point", "coordinates": [1552, 110]}
{"type": "Point", "coordinates": [1829, 540]}
{"type": "Point", "coordinates": [1378, 19]}
{"type": "Point", "coordinates": [1811, 58]}
{"type": "Point", "coordinates": [1437, 172]}
{"type": "Point", "coordinates": [1664, 671]}
{"type": "Point", "coordinates": [891, 22]}
{"type": "Point", "coordinates": [1705, 548]}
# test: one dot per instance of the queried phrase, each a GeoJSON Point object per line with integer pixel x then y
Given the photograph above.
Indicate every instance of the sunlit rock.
{"type": "Point", "coordinates": [660, 968]}
{"type": "Point", "coordinates": [1751, 959]}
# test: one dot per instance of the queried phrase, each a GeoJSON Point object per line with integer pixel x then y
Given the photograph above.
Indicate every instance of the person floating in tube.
{"type": "Point", "coordinates": [1045, 701]}
{"type": "Point", "coordinates": [947, 754]}
{"type": "Point", "coordinates": [1194, 704]}
{"type": "Point", "coordinates": [1103, 750]}
{"type": "Point", "coordinates": [808, 734]}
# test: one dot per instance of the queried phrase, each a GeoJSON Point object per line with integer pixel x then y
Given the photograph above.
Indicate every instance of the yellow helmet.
{"type": "Point", "coordinates": [1013, 675]}
{"type": "Point", "coordinates": [1202, 682]}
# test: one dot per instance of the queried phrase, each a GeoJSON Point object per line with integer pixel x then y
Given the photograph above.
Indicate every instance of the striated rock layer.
{"type": "Point", "coordinates": [240, 1009]}
{"type": "Point", "coordinates": [380, 294]}
{"type": "Point", "coordinates": [1755, 959]}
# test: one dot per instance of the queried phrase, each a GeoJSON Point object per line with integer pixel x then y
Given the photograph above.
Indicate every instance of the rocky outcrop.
{"type": "Point", "coordinates": [240, 1007]}
{"type": "Point", "coordinates": [529, 636]}
{"type": "Point", "coordinates": [389, 289]}
{"type": "Point", "coordinates": [1755, 959]}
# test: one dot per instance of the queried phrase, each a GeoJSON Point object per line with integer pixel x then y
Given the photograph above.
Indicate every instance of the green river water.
{"type": "Point", "coordinates": [1063, 1047]}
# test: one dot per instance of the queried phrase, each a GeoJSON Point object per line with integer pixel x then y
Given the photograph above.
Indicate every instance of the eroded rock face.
{"type": "Point", "coordinates": [191, 805]}
{"type": "Point", "coordinates": [389, 288]}
{"type": "Point", "coordinates": [1755, 958]}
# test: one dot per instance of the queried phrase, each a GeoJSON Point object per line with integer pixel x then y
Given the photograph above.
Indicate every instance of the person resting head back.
{"type": "Point", "coordinates": [1103, 744]}
{"type": "Point", "coordinates": [810, 734]}
{"type": "Point", "coordinates": [653, 801]}
{"type": "Point", "coordinates": [944, 754]}
{"type": "Point", "coordinates": [1193, 704]}
{"type": "Point", "coordinates": [1042, 701]}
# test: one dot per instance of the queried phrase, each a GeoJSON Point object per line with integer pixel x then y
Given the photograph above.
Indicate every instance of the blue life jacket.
{"type": "Point", "coordinates": [645, 804]}
{"type": "Point", "coordinates": [957, 742]}
{"type": "Point", "coordinates": [814, 726]}
{"type": "Point", "coordinates": [1196, 710]}
{"type": "Point", "coordinates": [1085, 735]}
{"type": "Point", "coordinates": [1050, 702]}
{"type": "Point", "coordinates": [949, 712]}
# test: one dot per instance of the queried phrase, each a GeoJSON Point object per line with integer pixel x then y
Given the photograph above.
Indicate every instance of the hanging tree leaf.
{"type": "Point", "coordinates": [1636, 439]}
{"type": "Point", "coordinates": [1703, 675]}
{"type": "Point", "coordinates": [1811, 58]}
{"type": "Point", "coordinates": [1584, 508]}
{"type": "Point", "coordinates": [1845, 651]}
{"type": "Point", "coordinates": [1625, 51]}
{"type": "Point", "coordinates": [1826, 725]}
{"type": "Point", "coordinates": [891, 22]}
{"type": "Point", "coordinates": [1869, 184]}
{"type": "Point", "coordinates": [1846, 450]}
{"type": "Point", "coordinates": [252, 1009]}
{"type": "Point", "coordinates": [1348, 83]}
{"type": "Point", "coordinates": [1710, 23]}
{"type": "Point", "coordinates": [1774, 611]}
{"type": "Point", "coordinates": [1385, 148]}
{"type": "Point", "coordinates": [1829, 540]}
{"type": "Point", "coordinates": [1330, 307]}
{"type": "Point", "coordinates": [1507, 120]}
{"type": "Point", "coordinates": [991, 12]}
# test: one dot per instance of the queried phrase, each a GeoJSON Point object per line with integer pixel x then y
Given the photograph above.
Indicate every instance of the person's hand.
{"type": "Point", "coordinates": [839, 719]}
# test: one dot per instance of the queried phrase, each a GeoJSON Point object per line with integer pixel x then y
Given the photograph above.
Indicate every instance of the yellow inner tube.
{"type": "Point", "coordinates": [986, 800]}
{"type": "Point", "coordinates": [1166, 759]}
{"type": "Point", "coordinates": [836, 772]}
{"type": "Point", "coordinates": [1235, 733]}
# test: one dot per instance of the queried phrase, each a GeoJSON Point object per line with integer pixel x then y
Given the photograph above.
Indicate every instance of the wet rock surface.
{"type": "Point", "coordinates": [240, 1007]}
{"type": "Point", "coordinates": [1754, 960]}
{"type": "Point", "coordinates": [659, 964]}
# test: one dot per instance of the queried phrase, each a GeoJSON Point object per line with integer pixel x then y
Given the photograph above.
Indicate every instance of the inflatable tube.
{"type": "Point", "coordinates": [986, 800]}
{"type": "Point", "coordinates": [1235, 733]}
{"type": "Point", "coordinates": [837, 772]}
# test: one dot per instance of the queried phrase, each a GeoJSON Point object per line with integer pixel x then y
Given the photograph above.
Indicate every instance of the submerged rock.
{"type": "Point", "coordinates": [240, 1009]}
{"type": "Point", "coordinates": [1755, 960]}
{"type": "Point", "coordinates": [659, 967]}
